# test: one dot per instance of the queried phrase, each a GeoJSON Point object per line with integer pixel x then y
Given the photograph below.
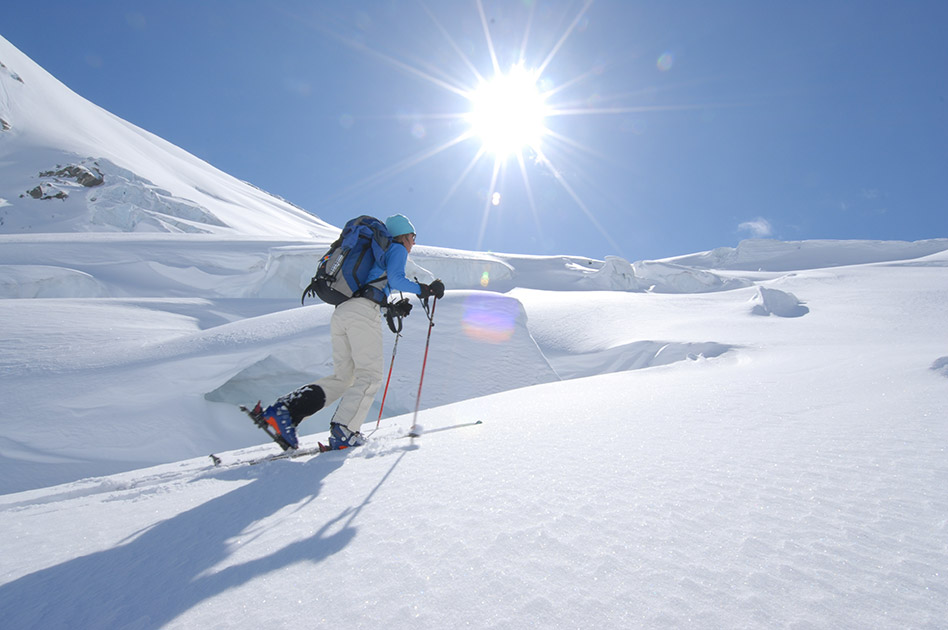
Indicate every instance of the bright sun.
{"type": "Point", "coordinates": [508, 112]}
{"type": "Point", "coordinates": [508, 115]}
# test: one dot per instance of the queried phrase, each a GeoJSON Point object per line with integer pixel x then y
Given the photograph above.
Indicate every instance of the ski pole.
{"type": "Point", "coordinates": [393, 311]}
{"type": "Point", "coordinates": [414, 420]}
{"type": "Point", "coordinates": [385, 393]}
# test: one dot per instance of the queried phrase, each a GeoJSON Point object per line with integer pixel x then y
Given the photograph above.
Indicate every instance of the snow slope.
{"type": "Point", "coordinates": [202, 323]}
{"type": "Point", "coordinates": [744, 438]}
{"type": "Point", "coordinates": [788, 473]}
{"type": "Point", "coordinates": [92, 171]}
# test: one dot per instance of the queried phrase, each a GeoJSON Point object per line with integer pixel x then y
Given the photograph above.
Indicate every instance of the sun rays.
{"type": "Point", "coordinates": [505, 117]}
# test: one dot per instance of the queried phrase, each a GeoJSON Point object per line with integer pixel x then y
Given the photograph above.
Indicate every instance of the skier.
{"type": "Point", "coordinates": [356, 333]}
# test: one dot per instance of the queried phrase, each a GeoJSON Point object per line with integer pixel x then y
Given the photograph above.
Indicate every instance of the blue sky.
{"type": "Point", "coordinates": [670, 127]}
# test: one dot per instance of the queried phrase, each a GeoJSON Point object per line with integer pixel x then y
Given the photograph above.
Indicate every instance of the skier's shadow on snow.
{"type": "Point", "coordinates": [169, 568]}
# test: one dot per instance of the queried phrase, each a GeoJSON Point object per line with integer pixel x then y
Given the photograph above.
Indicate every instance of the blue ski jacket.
{"type": "Point", "coordinates": [393, 265]}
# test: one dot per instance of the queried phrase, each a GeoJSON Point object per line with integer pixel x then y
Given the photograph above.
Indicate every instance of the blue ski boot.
{"type": "Point", "coordinates": [278, 416]}
{"type": "Point", "coordinates": [340, 437]}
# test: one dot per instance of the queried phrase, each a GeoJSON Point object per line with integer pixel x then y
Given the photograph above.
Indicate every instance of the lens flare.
{"type": "Point", "coordinates": [665, 62]}
{"type": "Point", "coordinates": [490, 318]}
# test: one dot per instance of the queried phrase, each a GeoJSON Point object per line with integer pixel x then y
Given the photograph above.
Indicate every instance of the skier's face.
{"type": "Point", "coordinates": [408, 240]}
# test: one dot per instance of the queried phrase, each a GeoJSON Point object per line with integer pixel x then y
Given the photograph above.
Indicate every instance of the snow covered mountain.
{"type": "Point", "coordinates": [67, 165]}
{"type": "Point", "coordinates": [751, 437]}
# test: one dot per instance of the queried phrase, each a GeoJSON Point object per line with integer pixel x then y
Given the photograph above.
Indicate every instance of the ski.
{"type": "Point", "coordinates": [293, 453]}
{"type": "Point", "coordinates": [288, 454]}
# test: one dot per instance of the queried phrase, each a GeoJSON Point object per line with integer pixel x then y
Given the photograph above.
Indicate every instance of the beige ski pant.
{"type": "Point", "coordinates": [356, 330]}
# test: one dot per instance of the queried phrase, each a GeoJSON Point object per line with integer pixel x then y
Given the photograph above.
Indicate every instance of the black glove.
{"type": "Point", "coordinates": [401, 308]}
{"type": "Point", "coordinates": [394, 312]}
{"type": "Point", "coordinates": [436, 289]}
{"type": "Point", "coordinates": [309, 291]}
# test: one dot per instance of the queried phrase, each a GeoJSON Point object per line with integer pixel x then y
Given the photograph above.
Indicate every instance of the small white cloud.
{"type": "Point", "coordinates": [136, 20]}
{"type": "Point", "coordinates": [758, 228]}
{"type": "Point", "coordinates": [297, 86]}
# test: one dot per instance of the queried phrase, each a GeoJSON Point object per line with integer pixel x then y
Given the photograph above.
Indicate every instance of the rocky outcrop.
{"type": "Point", "coordinates": [12, 74]}
{"type": "Point", "coordinates": [63, 178]}
{"type": "Point", "coordinates": [80, 174]}
{"type": "Point", "coordinates": [47, 191]}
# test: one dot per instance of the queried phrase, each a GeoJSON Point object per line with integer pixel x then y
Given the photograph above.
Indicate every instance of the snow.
{"type": "Point", "coordinates": [744, 438]}
{"type": "Point", "coordinates": [777, 302]}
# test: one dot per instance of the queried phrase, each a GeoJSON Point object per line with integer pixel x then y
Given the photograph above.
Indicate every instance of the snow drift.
{"type": "Point", "coordinates": [777, 302]}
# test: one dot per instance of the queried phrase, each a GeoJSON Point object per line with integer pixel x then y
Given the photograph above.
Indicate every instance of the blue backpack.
{"type": "Point", "coordinates": [343, 271]}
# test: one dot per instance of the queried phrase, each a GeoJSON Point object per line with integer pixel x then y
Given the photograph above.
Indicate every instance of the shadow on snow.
{"type": "Point", "coordinates": [168, 568]}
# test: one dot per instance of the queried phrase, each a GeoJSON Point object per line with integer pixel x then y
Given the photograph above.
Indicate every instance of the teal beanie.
{"type": "Point", "coordinates": [398, 224]}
